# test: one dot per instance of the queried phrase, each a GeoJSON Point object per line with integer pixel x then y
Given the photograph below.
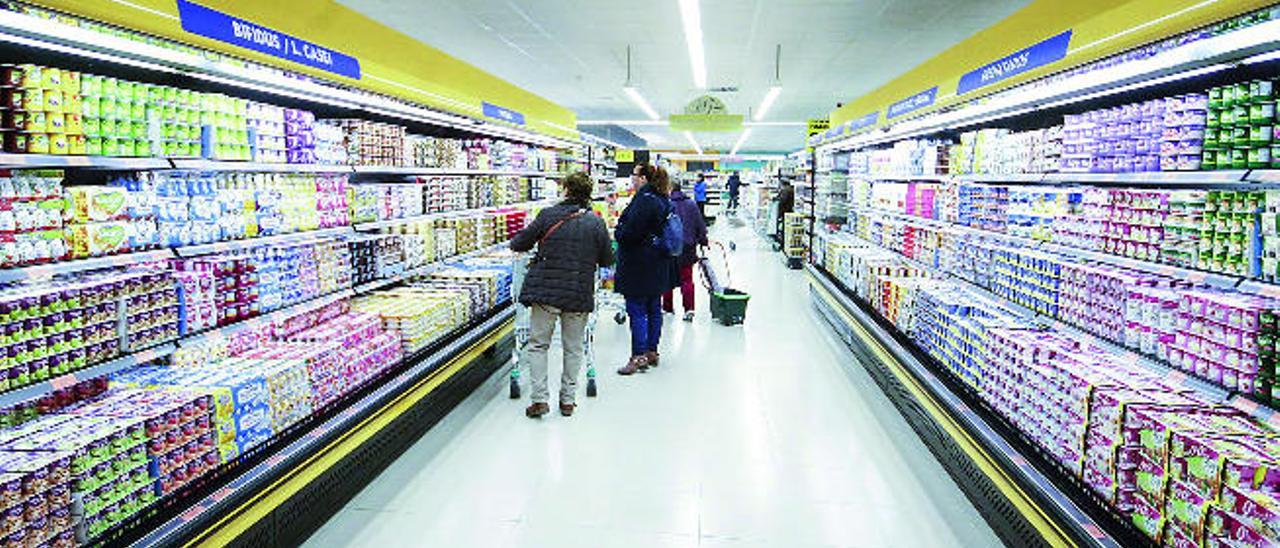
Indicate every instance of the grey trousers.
{"type": "Point", "coordinates": [542, 326]}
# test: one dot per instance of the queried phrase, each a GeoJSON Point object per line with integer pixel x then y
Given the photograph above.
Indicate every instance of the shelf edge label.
{"type": "Point", "coordinates": [209, 23]}
{"type": "Point", "coordinates": [1032, 57]}
{"type": "Point", "coordinates": [913, 103]}
{"type": "Point", "coordinates": [505, 114]}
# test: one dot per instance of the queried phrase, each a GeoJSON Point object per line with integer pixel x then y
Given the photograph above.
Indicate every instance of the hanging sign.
{"type": "Point", "coordinates": [818, 125]}
{"type": "Point", "coordinates": [913, 103]}
{"type": "Point", "coordinates": [1036, 56]}
{"type": "Point", "coordinates": [219, 26]}
{"type": "Point", "coordinates": [624, 156]}
{"type": "Point", "coordinates": [705, 122]}
{"type": "Point", "coordinates": [506, 115]}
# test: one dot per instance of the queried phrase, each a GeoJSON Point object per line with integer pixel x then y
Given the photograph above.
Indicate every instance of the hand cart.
{"type": "Point", "coordinates": [728, 305]}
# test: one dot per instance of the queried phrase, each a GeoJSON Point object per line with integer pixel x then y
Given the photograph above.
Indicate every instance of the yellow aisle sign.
{"type": "Point", "coordinates": [319, 33]}
{"type": "Point", "coordinates": [624, 156]}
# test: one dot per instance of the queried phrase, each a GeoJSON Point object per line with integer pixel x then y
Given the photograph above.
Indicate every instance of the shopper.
{"type": "Point", "coordinates": [735, 184]}
{"type": "Point", "coordinates": [786, 204]}
{"type": "Point", "coordinates": [572, 243]}
{"type": "Point", "coordinates": [700, 195]}
{"type": "Point", "coordinates": [645, 269]}
{"type": "Point", "coordinates": [695, 234]}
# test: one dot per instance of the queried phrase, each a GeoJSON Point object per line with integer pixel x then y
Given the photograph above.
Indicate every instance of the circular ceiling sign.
{"type": "Point", "coordinates": [706, 105]}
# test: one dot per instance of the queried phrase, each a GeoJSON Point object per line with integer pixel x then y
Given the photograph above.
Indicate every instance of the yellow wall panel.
{"type": "Point", "coordinates": [1100, 28]}
{"type": "Point", "coordinates": [390, 62]}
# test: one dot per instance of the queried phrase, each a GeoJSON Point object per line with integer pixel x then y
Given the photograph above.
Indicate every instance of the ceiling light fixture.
{"type": "Point", "coordinates": [741, 139]}
{"type": "Point", "coordinates": [691, 15]}
{"type": "Point", "coordinates": [634, 94]}
{"type": "Point", "coordinates": [774, 90]}
{"type": "Point", "coordinates": [765, 104]}
{"type": "Point", "coordinates": [689, 136]}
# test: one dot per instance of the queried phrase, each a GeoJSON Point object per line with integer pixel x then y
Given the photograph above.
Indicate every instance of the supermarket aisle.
{"type": "Point", "coordinates": [751, 436]}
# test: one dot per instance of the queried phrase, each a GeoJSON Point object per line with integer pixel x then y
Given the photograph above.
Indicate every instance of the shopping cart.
{"type": "Point", "coordinates": [522, 325]}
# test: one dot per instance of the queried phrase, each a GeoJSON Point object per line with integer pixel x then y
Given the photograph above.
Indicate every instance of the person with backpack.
{"type": "Point", "coordinates": [695, 234]}
{"type": "Point", "coordinates": [650, 238]}
{"type": "Point", "coordinates": [572, 244]}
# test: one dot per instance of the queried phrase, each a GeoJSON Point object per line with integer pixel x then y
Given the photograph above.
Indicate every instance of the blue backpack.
{"type": "Point", "coordinates": [671, 238]}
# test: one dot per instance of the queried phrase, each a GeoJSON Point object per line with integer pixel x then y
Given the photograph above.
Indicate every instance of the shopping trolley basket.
{"type": "Point", "coordinates": [728, 305]}
{"type": "Point", "coordinates": [522, 328]}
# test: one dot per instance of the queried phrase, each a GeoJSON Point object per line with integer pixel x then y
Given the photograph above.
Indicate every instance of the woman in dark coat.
{"type": "Point", "coordinates": [645, 269]}
{"type": "Point", "coordinates": [572, 243]}
{"type": "Point", "coordinates": [695, 234]}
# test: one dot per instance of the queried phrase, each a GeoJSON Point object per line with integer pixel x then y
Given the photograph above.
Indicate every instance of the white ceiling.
{"type": "Point", "coordinates": [573, 52]}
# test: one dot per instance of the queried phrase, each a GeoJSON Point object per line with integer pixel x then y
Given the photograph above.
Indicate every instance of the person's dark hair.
{"type": "Point", "coordinates": [578, 187]}
{"type": "Point", "coordinates": [675, 185]}
{"type": "Point", "coordinates": [702, 176]}
{"type": "Point", "coordinates": [655, 176]}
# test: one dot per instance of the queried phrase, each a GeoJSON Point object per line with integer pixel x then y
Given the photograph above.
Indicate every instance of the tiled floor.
{"type": "Point", "coordinates": [760, 435]}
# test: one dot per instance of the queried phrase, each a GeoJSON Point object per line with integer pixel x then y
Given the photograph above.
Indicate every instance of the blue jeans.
{"type": "Point", "coordinates": [646, 323]}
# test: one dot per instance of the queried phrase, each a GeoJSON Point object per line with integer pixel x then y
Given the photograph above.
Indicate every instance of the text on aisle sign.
{"type": "Point", "coordinates": [219, 26]}
{"type": "Point", "coordinates": [505, 114]}
{"type": "Point", "coordinates": [1035, 56]}
{"type": "Point", "coordinates": [864, 122]}
{"type": "Point", "coordinates": [913, 103]}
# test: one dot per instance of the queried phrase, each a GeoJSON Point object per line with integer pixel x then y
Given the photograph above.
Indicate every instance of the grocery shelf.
{"type": "Point", "coordinates": [36, 391]}
{"type": "Point", "coordinates": [1221, 281]}
{"type": "Point", "coordinates": [288, 492]}
{"type": "Point", "coordinates": [390, 223]}
{"type": "Point", "coordinates": [236, 245]}
{"type": "Point", "coordinates": [81, 265]}
{"type": "Point", "coordinates": [1024, 178]}
{"type": "Point", "coordinates": [441, 172]}
{"type": "Point", "coordinates": [256, 167]}
{"type": "Point", "coordinates": [1201, 57]}
{"type": "Point", "coordinates": [1024, 505]}
{"type": "Point", "coordinates": [268, 318]}
{"type": "Point", "coordinates": [1171, 376]}
{"type": "Point", "coordinates": [53, 161]}
{"type": "Point", "coordinates": [1193, 179]}
{"type": "Point", "coordinates": [424, 269]}
{"type": "Point", "coordinates": [51, 35]}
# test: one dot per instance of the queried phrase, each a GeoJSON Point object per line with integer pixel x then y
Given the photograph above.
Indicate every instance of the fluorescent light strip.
{"type": "Point", "coordinates": [741, 139]}
{"type": "Point", "coordinates": [146, 9]}
{"type": "Point", "coordinates": [691, 15]}
{"type": "Point", "coordinates": [634, 95]}
{"type": "Point", "coordinates": [1142, 26]}
{"type": "Point", "coordinates": [767, 103]}
{"type": "Point", "coordinates": [689, 136]}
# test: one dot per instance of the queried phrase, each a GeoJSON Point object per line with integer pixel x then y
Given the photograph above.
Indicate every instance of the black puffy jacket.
{"type": "Point", "coordinates": [563, 271]}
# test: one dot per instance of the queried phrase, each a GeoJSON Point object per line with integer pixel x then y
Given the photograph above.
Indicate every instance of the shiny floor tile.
{"type": "Point", "coordinates": [766, 434]}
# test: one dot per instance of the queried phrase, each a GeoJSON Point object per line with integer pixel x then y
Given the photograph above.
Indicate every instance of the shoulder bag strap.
{"type": "Point", "coordinates": [556, 226]}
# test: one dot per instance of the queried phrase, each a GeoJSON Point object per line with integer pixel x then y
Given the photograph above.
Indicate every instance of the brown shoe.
{"type": "Point", "coordinates": [537, 410]}
{"type": "Point", "coordinates": [652, 358]}
{"type": "Point", "coordinates": [566, 409]}
{"type": "Point", "coordinates": [636, 363]}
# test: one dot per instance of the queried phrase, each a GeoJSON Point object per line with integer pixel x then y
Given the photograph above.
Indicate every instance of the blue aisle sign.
{"type": "Point", "coordinates": [219, 26]}
{"type": "Point", "coordinates": [864, 122]}
{"type": "Point", "coordinates": [1036, 56]}
{"type": "Point", "coordinates": [913, 103]}
{"type": "Point", "coordinates": [505, 114]}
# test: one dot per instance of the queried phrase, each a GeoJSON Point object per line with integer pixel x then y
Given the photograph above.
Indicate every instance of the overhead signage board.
{"type": "Point", "coordinates": [913, 103]}
{"type": "Point", "coordinates": [505, 114]}
{"type": "Point", "coordinates": [213, 24]}
{"type": "Point", "coordinates": [705, 122]}
{"type": "Point", "coordinates": [859, 124]}
{"type": "Point", "coordinates": [624, 156]}
{"type": "Point", "coordinates": [818, 125]}
{"type": "Point", "coordinates": [1035, 56]}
